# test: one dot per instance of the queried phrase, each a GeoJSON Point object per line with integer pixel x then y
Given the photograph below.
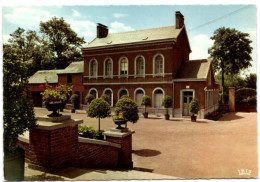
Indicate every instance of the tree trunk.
{"type": "Point", "coordinates": [98, 124]}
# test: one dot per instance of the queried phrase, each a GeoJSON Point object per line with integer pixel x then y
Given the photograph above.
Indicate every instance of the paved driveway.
{"type": "Point", "coordinates": [191, 150]}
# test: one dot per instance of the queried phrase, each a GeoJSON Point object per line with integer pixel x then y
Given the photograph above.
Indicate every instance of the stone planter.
{"type": "Point", "coordinates": [167, 116]}
{"type": "Point", "coordinates": [119, 122]}
{"type": "Point", "coordinates": [54, 106]}
{"type": "Point", "coordinates": [145, 114]}
{"type": "Point", "coordinates": [193, 118]}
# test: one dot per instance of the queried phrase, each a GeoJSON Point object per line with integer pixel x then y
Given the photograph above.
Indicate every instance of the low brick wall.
{"type": "Point", "coordinates": [94, 153]}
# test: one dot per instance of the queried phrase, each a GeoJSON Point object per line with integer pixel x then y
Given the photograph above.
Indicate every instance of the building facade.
{"type": "Point", "coordinates": [153, 62]}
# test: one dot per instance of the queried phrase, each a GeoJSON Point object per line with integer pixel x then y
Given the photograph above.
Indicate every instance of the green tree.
{"type": "Point", "coordinates": [167, 102]}
{"type": "Point", "coordinates": [128, 107]}
{"type": "Point", "coordinates": [98, 108]}
{"type": "Point", "coordinates": [250, 81]}
{"type": "Point", "coordinates": [89, 98]}
{"type": "Point", "coordinates": [27, 45]}
{"type": "Point", "coordinates": [230, 52]}
{"type": "Point", "coordinates": [146, 101]}
{"type": "Point", "coordinates": [18, 108]}
{"type": "Point", "coordinates": [62, 40]}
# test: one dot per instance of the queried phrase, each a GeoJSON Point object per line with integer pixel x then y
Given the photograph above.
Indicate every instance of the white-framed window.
{"type": "Point", "coordinates": [93, 68]}
{"type": "Point", "coordinates": [158, 65]}
{"type": "Point", "coordinates": [108, 68]}
{"type": "Point", "coordinates": [139, 66]}
{"type": "Point", "coordinates": [123, 66]}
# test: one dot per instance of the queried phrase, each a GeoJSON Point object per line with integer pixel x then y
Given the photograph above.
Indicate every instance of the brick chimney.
{"type": "Point", "coordinates": [102, 30]}
{"type": "Point", "coordinates": [179, 20]}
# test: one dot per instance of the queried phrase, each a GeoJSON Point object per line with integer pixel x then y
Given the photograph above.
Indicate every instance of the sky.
{"type": "Point", "coordinates": [200, 20]}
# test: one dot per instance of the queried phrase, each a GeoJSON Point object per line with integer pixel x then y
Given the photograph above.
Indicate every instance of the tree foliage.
{"type": "Point", "coordinates": [230, 52]}
{"type": "Point", "coordinates": [89, 98]}
{"type": "Point", "coordinates": [146, 101]}
{"type": "Point", "coordinates": [98, 108]}
{"type": "Point", "coordinates": [167, 102]}
{"type": "Point", "coordinates": [62, 40]}
{"type": "Point", "coordinates": [128, 107]}
{"type": "Point", "coordinates": [250, 81]}
{"type": "Point", "coordinates": [18, 108]}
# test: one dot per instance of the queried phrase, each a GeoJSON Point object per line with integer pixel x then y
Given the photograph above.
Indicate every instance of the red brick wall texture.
{"type": "Point", "coordinates": [53, 150]}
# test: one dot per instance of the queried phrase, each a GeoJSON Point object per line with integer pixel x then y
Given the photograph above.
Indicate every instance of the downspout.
{"type": "Point", "coordinates": [173, 99]}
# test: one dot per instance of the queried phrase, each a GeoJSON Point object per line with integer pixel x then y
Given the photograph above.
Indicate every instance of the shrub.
{"type": "Point", "coordinates": [128, 107]}
{"type": "Point", "coordinates": [87, 132]}
{"type": "Point", "coordinates": [74, 97]}
{"type": "Point", "coordinates": [98, 108]}
{"type": "Point", "coordinates": [167, 102]}
{"type": "Point", "coordinates": [106, 98]}
{"type": "Point", "coordinates": [89, 98]}
{"type": "Point", "coordinates": [146, 101]}
{"type": "Point", "coordinates": [194, 106]}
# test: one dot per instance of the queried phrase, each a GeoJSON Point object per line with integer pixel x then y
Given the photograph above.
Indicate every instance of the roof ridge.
{"type": "Point", "coordinates": [142, 30]}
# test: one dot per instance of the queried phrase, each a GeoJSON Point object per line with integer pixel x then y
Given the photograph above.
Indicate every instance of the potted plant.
{"type": "Point", "coordinates": [119, 120]}
{"type": "Point", "coordinates": [167, 102]}
{"type": "Point", "coordinates": [73, 99]}
{"type": "Point", "coordinates": [128, 109]}
{"type": "Point", "coordinates": [18, 113]}
{"type": "Point", "coordinates": [89, 98]}
{"type": "Point", "coordinates": [194, 108]}
{"type": "Point", "coordinates": [146, 101]}
{"type": "Point", "coordinates": [55, 97]}
{"type": "Point", "coordinates": [98, 108]}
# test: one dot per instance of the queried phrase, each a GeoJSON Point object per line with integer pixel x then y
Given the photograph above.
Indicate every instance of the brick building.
{"type": "Point", "coordinates": [153, 62]}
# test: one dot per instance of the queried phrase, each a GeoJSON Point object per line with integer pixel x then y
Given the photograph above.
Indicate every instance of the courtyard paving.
{"type": "Point", "coordinates": [183, 149]}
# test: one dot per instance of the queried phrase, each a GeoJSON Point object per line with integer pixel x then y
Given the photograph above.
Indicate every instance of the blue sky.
{"type": "Point", "coordinates": [200, 20]}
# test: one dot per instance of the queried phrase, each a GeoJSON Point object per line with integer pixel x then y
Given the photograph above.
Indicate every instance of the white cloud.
{"type": "Point", "coordinates": [199, 46]}
{"type": "Point", "coordinates": [5, 38]}
{"type": "Point", "coordinates": [75, 13]}
{"type": "Point", "coordinates": [119, 15]}
{"type": "Point", "coordinates": [84, 28]}
{"type": "Point", "coordinates": [29, 17]}
{"type": "Point", "coordinates": [119, 27]}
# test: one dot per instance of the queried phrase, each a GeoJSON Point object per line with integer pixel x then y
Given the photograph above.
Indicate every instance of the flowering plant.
{"type": "Point", "coordinates": [58, 93]}
{"type": "Point", "coordinates": [120, 116]}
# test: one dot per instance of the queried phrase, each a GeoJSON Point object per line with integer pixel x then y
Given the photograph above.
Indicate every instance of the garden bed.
{"type": "Point", "coordinates": [214, 116]}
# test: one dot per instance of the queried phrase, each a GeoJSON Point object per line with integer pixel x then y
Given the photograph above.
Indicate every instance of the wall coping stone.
{"type": "Point", "coordinates": [24, 137]}
{"type": "Point", "coordinates": [46, 125]}
{"type": "Point", "coordinates": [54, 119]}
{"type": "Point", "coordinates": [99, 142]}
{"type": "Point", "coordinates": [118, 133]}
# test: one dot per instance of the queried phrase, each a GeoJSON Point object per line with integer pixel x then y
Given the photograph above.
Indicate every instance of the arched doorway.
{"type": "Point", "coordinates": [109, 93]}
{"type": "Point", "coordinates": [157, 98]}
{"type": "Point", "coordinates": [139, 94]}
{"type": "Point", "coordinates": [122, 92]}
{"type": "Point", "coordinates": [93, 92]}
{"type": "Point", "coordinates": [77, 103]}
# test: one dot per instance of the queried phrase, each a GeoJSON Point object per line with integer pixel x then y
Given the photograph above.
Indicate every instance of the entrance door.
{"type": "Point", "coordinates": [158, 97]}
{"type": "Point", "coordinates": [187, 97]}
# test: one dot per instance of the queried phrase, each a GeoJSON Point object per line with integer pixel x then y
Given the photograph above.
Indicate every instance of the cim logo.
{"type": "Point", "coordinates": [244, 172]}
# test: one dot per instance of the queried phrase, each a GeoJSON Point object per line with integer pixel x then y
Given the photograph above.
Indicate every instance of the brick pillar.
{"type": "Point", "coordinates": [231, 100]}
{"type": "Point", "coordinates": [53, 143]}
{"type": "Point", "coordinates": [124, 138]}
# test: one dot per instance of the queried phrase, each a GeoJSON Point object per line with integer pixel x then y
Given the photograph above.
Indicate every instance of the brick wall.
{"type": "Point", "coordinates": [94, 155]}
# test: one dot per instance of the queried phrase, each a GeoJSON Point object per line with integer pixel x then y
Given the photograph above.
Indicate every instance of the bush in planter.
{"type": "Point", "coordinates": [128, 108]}
{"type": "Point", "coordinates": [98, 108]}
{"type": "Point", "coordinates": [194, 108]}
{"type": "Point", "coordinates": [167, 102]}
{"type": "Point", "coordinates": [73, 99]}
{"type": "Point", "coordinates": [18, 113]}
{"type": "Point", "coordinates": [89, 98]}
{"type": "Point", "coordinates": [146, 101]}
